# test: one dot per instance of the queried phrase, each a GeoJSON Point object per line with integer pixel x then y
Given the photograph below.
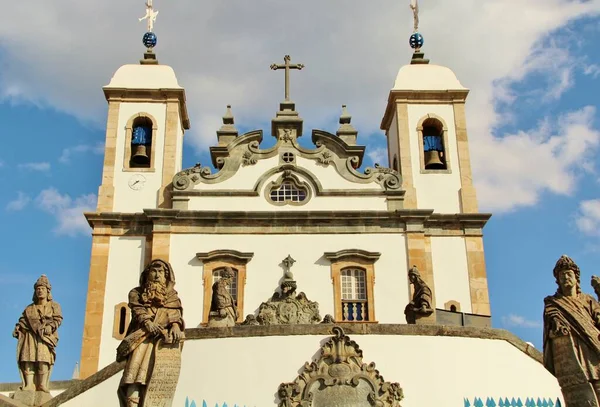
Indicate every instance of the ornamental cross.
{"type": "Point", "coordinates": [288, 262]}
{"type": "Point", "coordinates": [150, 15]}
{"type": "Point", "coordinates": [414, 5]}
{"type": "Point", "coordinates": [287, 66]}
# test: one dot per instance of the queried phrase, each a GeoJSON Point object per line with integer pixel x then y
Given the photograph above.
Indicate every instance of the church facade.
{"type": "Point", "coordinates": [316, 250]}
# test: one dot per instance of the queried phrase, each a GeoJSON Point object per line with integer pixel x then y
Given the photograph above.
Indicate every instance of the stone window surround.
{"type": "Point", "coordinates": [448, 305]}
{"type": "Point", "coordinates": [448, 169]}
{"type": "Point", "coordinates": [288, 176]}
{"type": "Point", "coordinates": [353, 258]}
{"type": "Point", "coordinates": [215, 260]}
{"type": "Point", "coordinates": [117, 320]}
{"type": "Point", "coordinates": [128, 136]}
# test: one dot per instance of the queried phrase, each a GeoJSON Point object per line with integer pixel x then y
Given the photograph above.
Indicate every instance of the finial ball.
{"type": "Point", "coordinates": [416, 41]}
{"type": "Point", "coordinates": [149, 39]}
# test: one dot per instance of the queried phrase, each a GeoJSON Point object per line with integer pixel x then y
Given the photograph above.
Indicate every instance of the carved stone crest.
{"type": "Point", "coordinates": [286, 307]}
{"type": "Point", "coordinates": [340, 378]}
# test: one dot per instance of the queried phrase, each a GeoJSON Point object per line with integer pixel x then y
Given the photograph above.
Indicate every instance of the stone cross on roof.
{"type": "Point", "coordinates": [287, 66]}
{"type": "Point", "coordinates": [150, 15]}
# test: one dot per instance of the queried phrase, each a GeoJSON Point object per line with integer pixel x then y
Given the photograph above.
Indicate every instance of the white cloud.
{"type": "Point", "coordinates": [352, 53]}
{"type": "Point", "coordinates": [378, 155]}
{"type": "Point", "coordinates": [19, 203]}
{"type": "Point", "coordinates": [593, 70]}
{"type": "Point", "coordinates": [587, 219]}
{"type": "Point", "coordinates": [67, 211]}
{"type": "Point", "coordinates": [41, 167]}
{"type": "Point", "coordinates": [80, 149]}
{"type": "Point", "coordinates": [513, 320]}
{"type": "Point", "coordinates": [515, 170]}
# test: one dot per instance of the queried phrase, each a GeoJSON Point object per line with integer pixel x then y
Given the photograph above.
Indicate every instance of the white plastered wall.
{"type": "Point", "coordinates": [450, 272]}
{"type": "Point", "coordinates": [432, 370]}
{"type": "Point", "coordinates": [311, 270]}
{"type": "Point", "coordinates": [125, 263]}
{"type": "Point", "coordinates": [126, 199]}
{"type": "Point", "coordinates": [435, 191]}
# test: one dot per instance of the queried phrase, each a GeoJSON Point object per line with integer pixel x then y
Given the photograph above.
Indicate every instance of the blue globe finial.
{"type": "Point", "coordinates": [149, 40]}
{"type": "Point", "coordinates": [416, 41]}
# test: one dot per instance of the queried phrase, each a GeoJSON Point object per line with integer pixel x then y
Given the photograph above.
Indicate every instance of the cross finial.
{"type": "Point", "coordinates": [414, 5]}
{"type": "Point", "coordinates": [150, 15]}
{"type": "Point", "coordinates": [287, 66]}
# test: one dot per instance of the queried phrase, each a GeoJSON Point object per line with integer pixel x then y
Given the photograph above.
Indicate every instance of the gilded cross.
{"type": "Point", "coordinates": [287, 66]}
{"type": "Point", "coordinates": [150, 15]}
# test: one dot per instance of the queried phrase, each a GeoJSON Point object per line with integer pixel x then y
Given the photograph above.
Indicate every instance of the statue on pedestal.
{"type": "Point", "coordinates": [37, 337]}
{"type": "Point", "coordinates": [152, 346]}
{"type": "Point", "coordinates": [223, 308]}
{"type": "Point", "coordinates": [420, 306]}
{"type": "Point", "coordinates": [571, 343]}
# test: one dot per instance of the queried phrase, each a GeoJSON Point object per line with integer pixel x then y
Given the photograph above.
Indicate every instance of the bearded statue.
{"type": "Point", "coordinates": [422, 299]}
{"type": "Point", "coordinates": [156, 316]}
{"type": "Point", "coordinates": [37, 337]}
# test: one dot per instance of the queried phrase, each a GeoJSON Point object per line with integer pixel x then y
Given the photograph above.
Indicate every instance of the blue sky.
{"type": "Point", "coordinates": [533, 70]}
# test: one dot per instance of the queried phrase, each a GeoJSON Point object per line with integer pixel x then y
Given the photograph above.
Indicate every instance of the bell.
{"type": "Point", "coordinates": [140, 155]}
{"type": "Point", "coordinates": [432, 160]}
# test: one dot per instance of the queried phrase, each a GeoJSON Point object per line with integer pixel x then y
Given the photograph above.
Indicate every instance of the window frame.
{"type": "Point", "coordinates": [445, 145]}
{"type": "Point", "coordinates": [218, 259]}
{"type": "Point", "coordinates": [353, 259]}
{"type": "Point", "coordinates": [128, 137]}
{"type": "Point", "coordinates": [288, 177]}
{"type": "Point", "coordinates": [117, 320]}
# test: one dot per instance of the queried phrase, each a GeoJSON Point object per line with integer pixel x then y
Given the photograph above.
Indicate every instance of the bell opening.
{"type": "Point", "coordinates": [433, 160]}
{"type": "Point", "coordinates": [140, 156]}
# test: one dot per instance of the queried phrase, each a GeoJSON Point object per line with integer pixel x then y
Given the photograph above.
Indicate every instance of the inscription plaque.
{"type": "Point", "coordinates": [167, 365]}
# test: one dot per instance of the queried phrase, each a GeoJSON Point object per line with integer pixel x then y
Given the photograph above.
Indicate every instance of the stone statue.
{"type": "Point", "coordinates": [596, 286]}
{"type": "Point", "coordinates": [420, 305]}
{"type": "Point", "coordinates": [223, 307]}
{"type": "Point", "coordinates": [571, 343]}
{"type": "Point", "coordinates": [37, 337]}
{"type": "Point", "coordinates": [152, 346]}
{"type": "Point", "coordinates": [286, 307]}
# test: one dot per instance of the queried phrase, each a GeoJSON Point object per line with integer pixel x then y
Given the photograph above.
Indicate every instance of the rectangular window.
{"type": "Point", "coordinates": [354, 295]}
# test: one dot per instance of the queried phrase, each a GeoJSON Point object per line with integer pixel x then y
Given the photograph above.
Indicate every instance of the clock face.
{"type": "Point", "coordinates": [136, 182]}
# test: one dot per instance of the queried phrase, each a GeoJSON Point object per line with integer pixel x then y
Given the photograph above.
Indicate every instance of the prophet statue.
{"type": "Point", "coordinates": [422, 298]}
{"type": "Point", "coordinates": [156, 319]}
{"type": "Point", "coordinates": [37, 335]}
{"type": "Point", "coordinates": [571, 343]}
{"type": "Point", "coordinates": [223, 307]}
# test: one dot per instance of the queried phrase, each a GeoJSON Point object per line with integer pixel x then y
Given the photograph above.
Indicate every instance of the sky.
{"type": "Point", "coordinates": [533, 68]}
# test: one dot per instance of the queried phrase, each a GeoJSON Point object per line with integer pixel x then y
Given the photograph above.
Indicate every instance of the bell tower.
{"type": "Point", "coordinates": [147, 117]}
{"type": "Point", "coordinates": [425, 125]}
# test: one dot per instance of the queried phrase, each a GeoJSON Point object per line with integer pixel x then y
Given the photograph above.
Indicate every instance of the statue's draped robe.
{"type": "Point", "coordinates": [138, 346]}
{"type": "Point", "coordinates": [578, 317]}
{"type": "Point", "coordinates": [422, 297]}
{"type": "Point", "coordinates": [222, 300]}
{"type": "Point", "coordinates": [34, 344]}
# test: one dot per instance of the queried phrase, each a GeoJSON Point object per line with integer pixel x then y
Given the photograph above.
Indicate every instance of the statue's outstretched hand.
{"type": "Point", "coordinates": [152, 328]}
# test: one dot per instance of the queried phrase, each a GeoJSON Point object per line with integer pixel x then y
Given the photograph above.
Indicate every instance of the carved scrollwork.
{"type": "Point", "coordinates": [386, 177]}
{"type": "Point", "coordinates": [248, 158]}
{"type": "Point", "coordinates": [184, 179]}
{"type": "Point", "coordinates": [325, 158]}
{"type": "Point", "coordinates": [340, 376]}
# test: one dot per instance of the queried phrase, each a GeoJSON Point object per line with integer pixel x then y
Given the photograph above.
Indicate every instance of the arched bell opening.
{"type": "Point", "coordinates": [434, 150]}
{"type": "Point", "coordinates": [141, 143]}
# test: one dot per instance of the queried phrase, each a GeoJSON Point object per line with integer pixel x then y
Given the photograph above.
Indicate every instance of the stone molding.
{"type": "Point", "coordinates": [301, 222]}
{"type": "Point", "coordinates": [346, 254]}
{"type": "Point", "coordinates": [225, 255]}
{"type": "Point", "coordinates": [150, 96]}
{"type": "Point", "coordinates": [288, 176]}
{"type": "Point", "coordinates": [420, 97]}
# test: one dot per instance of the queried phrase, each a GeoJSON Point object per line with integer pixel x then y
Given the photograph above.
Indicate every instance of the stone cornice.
{"type": "Point", "coordinates": [420, 97]}
{"type": "Point", "coordinates": [225, 254]}
{"type": "Point", "coordinates": [342, 255]}
{"type": "Point", "coordinates": [287, 222]}
{"type": "Point", "coordinates": [150, 96]}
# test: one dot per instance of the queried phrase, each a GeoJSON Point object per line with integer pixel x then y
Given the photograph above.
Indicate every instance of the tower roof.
{"type": "Point", "coordinates": [144, 77]}
{"type": "Point", "coordinates": [426, 77]}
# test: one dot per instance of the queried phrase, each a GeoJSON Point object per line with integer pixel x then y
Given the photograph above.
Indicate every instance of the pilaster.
{"type": "Point", "coordinates": [107, 189]}
{"type": "Point", "coordinates": [468, 195]}
{"type": "Point", "coordinates": [480, 300]}
{"type": "Point", "coordinates": [410, 197]}
{"type": "Point", "coordinates": [170, 153]}
{"type": "Point", "coordinates": [418, 250]}
{"type": "Point", "coordinates": [90, 351]}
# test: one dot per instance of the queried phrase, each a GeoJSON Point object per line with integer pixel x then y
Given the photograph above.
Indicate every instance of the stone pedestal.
{"type": "Point", "coordinates": [31, 398]}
